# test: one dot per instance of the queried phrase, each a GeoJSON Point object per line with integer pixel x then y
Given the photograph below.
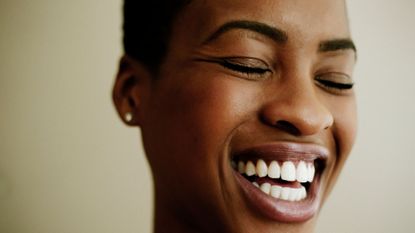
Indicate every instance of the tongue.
{"type": "Point", "coordinates": [279, 182]}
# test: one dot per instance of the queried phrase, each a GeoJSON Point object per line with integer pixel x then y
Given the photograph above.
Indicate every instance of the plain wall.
{"type": "Point", "coordinates": [68, 165]}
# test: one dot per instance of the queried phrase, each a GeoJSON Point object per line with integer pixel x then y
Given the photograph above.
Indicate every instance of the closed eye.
{"type": "Point", "coordinates": [343, 86]}
{"type": "Point", "coordinates": [245, 67]}
{"type": "Point", "coordinates": [337, 83]}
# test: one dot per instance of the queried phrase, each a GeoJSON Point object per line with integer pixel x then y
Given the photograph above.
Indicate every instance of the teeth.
{"type": "Point", "coordinates": [276, 191]}
{"type": "Point", "coordinates": [250, 169]}
{"type": "Point", "coordinates": [292, 195]}
{"type": "Point", "coordinates": [241, 167]}
{"type": "Point", "coordinates": [261, 168]}
{"type": "Point", "coordinates": [288, 194]}
{"type": "Point", "coordinates": [311, 172]}
{"type": "Point", "coordinates": [302, 172]}
{"type": "Point", "coordinates": [288, 171]}
{"type": "Point", "coordinates": [265, 187]}
{"type": "Point", "coordinates": [274, 170]}
{"type": "Point", "coordinates": [303, 193]}
{"type": "Point", "coordinates": [285, 193]}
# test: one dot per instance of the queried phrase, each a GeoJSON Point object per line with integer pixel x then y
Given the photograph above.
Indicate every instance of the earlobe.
{"type": "Point", "coordinates": [131, 88]}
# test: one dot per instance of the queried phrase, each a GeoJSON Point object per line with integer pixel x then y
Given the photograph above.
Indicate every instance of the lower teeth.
{"type": "Point", "coordinates": [283, 193]}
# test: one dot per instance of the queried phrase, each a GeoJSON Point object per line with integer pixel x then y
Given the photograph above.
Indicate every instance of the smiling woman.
{"type": "Point", "coordinates": [219, 114]}
{"type": "Point", "coordinates": [246, 108]}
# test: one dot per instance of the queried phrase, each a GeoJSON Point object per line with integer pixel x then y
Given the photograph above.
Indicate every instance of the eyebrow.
{"type": "Point", "coordinates": [337, 45]}
{"type": "Point", "coordinates": [274, 33]}
{"type": "Point", "coordinates": [279, 35]}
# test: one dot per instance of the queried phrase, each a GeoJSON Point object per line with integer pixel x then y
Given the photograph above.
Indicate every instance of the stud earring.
{"type": "Point", "coordinates": [128, 117]}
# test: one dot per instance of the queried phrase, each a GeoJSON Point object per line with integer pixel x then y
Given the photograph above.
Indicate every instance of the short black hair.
{"type": "Point", "coordinates": [147, 28]}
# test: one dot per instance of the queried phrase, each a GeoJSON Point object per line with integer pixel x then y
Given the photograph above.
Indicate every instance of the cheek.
{"type": "Point", "coordinates": [344, 134]}
{"type": "Point", "coordinates": [185, 137]}
{"type": "Point", "coordinates": [191, 118]}
{"type": "Point", "coordinates": [207, 108]}
{"type": "Point", "coordinates": [345, 129]}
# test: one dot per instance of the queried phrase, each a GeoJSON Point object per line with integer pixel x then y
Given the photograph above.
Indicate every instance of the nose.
{"type": "Point", "coordinates": [296, 109]}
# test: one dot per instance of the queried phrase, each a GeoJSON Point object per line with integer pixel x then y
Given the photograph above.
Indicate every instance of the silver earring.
{"type": "Point", "coordinates": [128, 117]}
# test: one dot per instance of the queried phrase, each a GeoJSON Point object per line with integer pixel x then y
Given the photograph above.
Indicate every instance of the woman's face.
{"type": "Point", "coordinates": [251, 93]}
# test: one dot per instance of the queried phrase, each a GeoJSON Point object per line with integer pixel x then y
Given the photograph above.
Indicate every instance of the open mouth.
{"type": "Point", "coordinates": [285, 180]}
{"type": "Point", "coordinates": [282, 180]}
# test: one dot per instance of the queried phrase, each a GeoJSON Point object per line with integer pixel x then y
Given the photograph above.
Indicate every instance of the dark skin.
{"type": "Point", "coordinates": [281, 73]}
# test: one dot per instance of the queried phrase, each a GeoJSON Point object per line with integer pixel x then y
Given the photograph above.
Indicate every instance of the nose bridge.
{"type": "Point", "coordinates": [297, 108]}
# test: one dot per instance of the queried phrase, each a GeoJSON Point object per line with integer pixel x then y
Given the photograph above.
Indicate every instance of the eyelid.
{"type": "Point", "coordinates": [247, 62]}
{"type": "Point", "coordinates": [335, 81]}
{"type": "Point", "coordinates": [335, 77]}
{"type": "Point", "coordinates": [245, 67]}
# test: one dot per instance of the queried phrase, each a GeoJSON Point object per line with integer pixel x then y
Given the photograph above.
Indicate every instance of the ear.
{"type": "Point", "coordinates": [131, 88]}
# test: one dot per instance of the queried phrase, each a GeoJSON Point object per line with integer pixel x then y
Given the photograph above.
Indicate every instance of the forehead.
{"type": "Point", "coordinates": [304, 21]}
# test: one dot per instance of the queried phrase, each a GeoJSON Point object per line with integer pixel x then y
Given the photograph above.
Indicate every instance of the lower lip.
{"type": "Point", "coordinates": [281, 210]}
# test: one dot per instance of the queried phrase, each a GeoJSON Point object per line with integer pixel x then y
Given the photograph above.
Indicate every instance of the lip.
{"type": "Point", "coordinates": [277, 209]}
{"type": "Point", "coordinates": [285, 151]}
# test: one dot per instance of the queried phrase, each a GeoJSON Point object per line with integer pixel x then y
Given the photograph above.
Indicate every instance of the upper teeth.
{"type": "Point", "coordinates": [304, 172]}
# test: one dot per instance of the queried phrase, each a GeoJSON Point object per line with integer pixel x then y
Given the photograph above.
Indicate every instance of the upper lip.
{"type": "Point", "coordinates": [284, 151]}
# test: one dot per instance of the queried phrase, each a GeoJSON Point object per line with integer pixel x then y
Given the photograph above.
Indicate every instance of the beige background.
{"type": "Point", "coordinates": [67, 164]}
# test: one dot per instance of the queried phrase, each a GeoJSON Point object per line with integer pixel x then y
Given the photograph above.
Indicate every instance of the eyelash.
{"type": "Point", "coordinates": [244, 69]}
{"type": "Point", "coordinates": [337, 87]}
{"type": "Point", "coordinates": [257, 70]}
{"type": "Point", "coordinates": [341, 86]}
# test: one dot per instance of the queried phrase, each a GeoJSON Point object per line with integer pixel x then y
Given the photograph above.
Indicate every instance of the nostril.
{"type": "Point", "coordinates": [287, 127]}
